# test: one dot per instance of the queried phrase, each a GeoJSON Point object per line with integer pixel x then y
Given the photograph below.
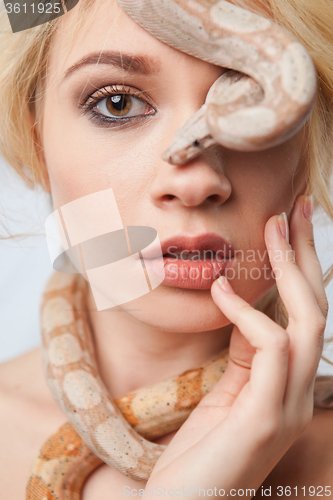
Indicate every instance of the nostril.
{"type": "Point", "coordinates": [169, 197]}
{"type": "Point", "coordinates": [213, 198]}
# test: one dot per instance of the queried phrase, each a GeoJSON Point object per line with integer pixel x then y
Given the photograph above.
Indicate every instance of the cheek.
{"type": "Point", "coordinates": [268, 181]}
{"type": "Point", "coordinates": [263, 185]}
{"type": "Point", "coordinates": [251, 274]}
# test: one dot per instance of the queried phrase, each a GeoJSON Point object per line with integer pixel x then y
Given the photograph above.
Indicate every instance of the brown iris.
{"type": "Point", "coordinates": [119, 104]}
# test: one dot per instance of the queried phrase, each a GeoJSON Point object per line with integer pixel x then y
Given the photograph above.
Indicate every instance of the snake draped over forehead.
{"type": "Point", "coordinates": [266, 93]}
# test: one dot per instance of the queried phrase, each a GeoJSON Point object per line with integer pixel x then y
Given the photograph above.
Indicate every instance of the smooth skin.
{"type": "Point", "coordinates": [236, 195]}
{"type": "Point", "coordinates": [264, 400]}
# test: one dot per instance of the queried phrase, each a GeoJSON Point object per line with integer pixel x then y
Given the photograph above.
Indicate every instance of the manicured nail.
{"type": "Point", "coordinates": [224, 284]}
{"type": "Point", "coordinates": [283, 226]}
{"type": "Point", "coordinates": [308, 208]}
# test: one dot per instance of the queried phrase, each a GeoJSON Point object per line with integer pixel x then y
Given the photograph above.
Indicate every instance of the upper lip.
{"type": "Point", "coordinates": [201, 242]}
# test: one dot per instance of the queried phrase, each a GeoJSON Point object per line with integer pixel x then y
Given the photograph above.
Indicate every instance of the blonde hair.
{"type": "Point", "coordinates": [23, 62]}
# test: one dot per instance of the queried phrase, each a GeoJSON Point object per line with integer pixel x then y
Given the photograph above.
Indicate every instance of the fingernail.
{"type": "Point", "coordinates": [283, 226]}
{"type": "Point", "coordinates": [308, 208]}
{"type": "Point", "coordinates": [224, 284]}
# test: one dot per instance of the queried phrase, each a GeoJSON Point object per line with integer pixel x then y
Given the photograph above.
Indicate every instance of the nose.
{"type": "Point", "coordinates": [200, 181]}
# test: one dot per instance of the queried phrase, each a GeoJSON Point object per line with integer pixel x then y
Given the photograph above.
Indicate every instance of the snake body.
{"type": "Point", "coordinates": [115, 432]}
{"type": "Point", "coordinates": [101, 430]}
{"type": "Point", "coordinates": [263, 98]}
{"type": "Point", "coordinates": [261, 51]}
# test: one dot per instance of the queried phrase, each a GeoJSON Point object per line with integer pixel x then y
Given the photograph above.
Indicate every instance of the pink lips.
{"type": "Point", "coordinates": [199, 272]}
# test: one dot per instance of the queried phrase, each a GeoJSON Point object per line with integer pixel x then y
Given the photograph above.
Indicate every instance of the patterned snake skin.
{"type": "Point", "coordinates": [65, 460]}
{"type": "Point", "coordinates": [120, 428]}
{"type": "Point", "coordinates": [262, 99]}
{"type": "Point", "coordinates": [261, 104]}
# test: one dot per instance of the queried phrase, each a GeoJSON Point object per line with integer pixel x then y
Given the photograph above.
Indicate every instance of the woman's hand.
{"type": "Point", "coordinates": [264, 400]}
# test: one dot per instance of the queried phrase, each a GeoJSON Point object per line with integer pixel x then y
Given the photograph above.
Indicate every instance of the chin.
{"type": "Point", "coordinates": [172, 309]}
{"type": "Point", "coordinates": [176, 310]}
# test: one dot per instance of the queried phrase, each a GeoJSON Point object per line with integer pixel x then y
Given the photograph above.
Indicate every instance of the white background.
{"type": "Point", "coordinates": [25, 265]}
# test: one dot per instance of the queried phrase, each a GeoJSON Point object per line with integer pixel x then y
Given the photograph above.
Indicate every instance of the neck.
{"type": "Point", "coordinates": [131, 354]}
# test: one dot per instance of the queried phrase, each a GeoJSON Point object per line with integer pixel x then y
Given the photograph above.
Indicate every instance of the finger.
{"type": "Point", "coordinates": [294, 289]}
{"type": "Point", "coordinates": [237, 373]}
{"type": "Point", "coordinates": [227, 389]}
{"type": "Point", "coordinates": [306, 322]}
{"type": "Point", "coordinates": [240, 349]}
{"type": "Point", "coordinates": [302, 242]}
{"type": "Point", "coordinates": [270, 362]}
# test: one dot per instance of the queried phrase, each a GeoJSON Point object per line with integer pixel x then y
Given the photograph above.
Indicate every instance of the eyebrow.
{"type": "Point", "coordinates": [138, 64]}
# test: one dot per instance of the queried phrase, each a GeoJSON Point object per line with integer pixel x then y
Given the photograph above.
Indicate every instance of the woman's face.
{"type": "Point", "coordinates": [225, 192]}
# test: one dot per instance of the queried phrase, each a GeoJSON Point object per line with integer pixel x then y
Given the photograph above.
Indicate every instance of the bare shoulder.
{"type": "Point", "coordinates": [16, 375]}
{"type": "Point", "coordinates": [28, 416]}
{"type": "Point", "coordinates": [307, 467]}
{"type": "Point", "coordinates": [23, 385]}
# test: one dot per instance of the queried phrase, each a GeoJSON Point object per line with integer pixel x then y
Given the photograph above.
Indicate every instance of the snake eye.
{"type": "Point", "coordinates": [119, 104]}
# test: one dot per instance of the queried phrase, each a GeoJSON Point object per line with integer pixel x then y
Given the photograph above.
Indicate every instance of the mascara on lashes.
{"type": "Point", "coordinates": [88, 103]}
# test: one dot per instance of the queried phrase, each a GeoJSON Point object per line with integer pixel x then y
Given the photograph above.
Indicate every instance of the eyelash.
{"type": "Point", "coordinates": [94, 99]}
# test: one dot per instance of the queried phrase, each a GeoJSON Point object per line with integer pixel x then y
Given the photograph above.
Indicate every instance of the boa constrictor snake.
{"type": "Point", "coordinates": [101, 430]}
{"type": "Point", "coordinates": [116, 431]}
{"type": "Point", "coordinates": [262, 99]}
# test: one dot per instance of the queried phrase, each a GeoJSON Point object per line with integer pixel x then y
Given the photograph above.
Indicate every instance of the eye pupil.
{"type": "Point", "coordinates": [119, 104]}
{"type": "Point", "coordinates": [116, 98]}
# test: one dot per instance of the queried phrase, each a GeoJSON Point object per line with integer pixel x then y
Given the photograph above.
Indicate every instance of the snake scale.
{"type": "Point", "coordinates": [68, 457]}
{"type": "Point", "coordinates": [264, 96]}
{"type": "Point", "coordinates": [116, 431]}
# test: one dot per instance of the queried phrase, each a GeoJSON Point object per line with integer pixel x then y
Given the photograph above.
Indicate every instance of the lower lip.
{"type": "Point", "coordinates": [192, 274]}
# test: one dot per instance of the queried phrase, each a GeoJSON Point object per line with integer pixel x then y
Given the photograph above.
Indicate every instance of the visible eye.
{"type": "Point", "coordinates": [120, 105]}
{"type": "Point", "coordinates": [112, 104]}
